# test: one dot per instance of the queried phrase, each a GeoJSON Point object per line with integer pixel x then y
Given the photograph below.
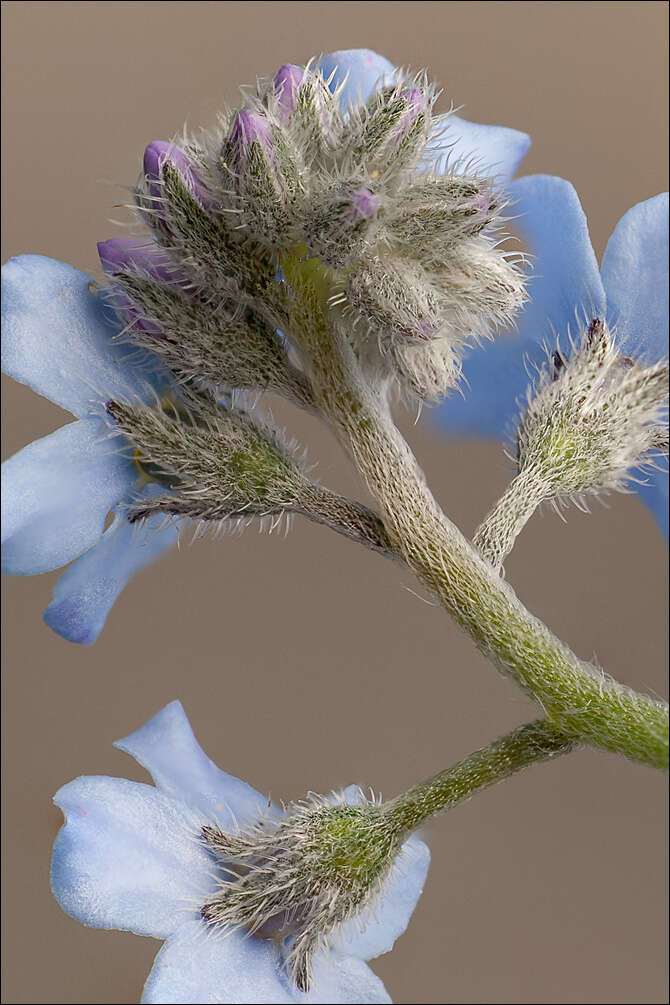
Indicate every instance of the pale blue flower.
{"type": "Point", "coordinates": [567, 289]}
{"type": "Point", "coordinates": [59, 338]}
{"type": "Point", "coordinates": [130, 856]}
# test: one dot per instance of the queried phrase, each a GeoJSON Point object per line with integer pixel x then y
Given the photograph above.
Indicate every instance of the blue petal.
{"type": "Point", "coordinates": [565, 284]}
{"type": "Point", "coordinates": [56, 493]}
{"type": "Point", "coordinates": [376, 929]}
{"type": "Point", "coordinates": [635, 276]}
{"type": "Point", "coordinates": [343, 979]}
{"type": "Point", "coordinates": [363, 70]}
{"type": "Point", "coordinates": [85, 593]}
{"type": "Point", "coordinates": [654, 492]}
{"type": "Point", "coordinates": [468, 147]}
{"type": "Point", "coordinates": [198, 966]}
{"type": "Point", "coordinates": [128, 857]}
{"type": "Point", "coordinates": [59, 339]}
{"type": "Point", "coordinates": [564, 289]}
{"type": "Point", "coordinates": [167, 748]}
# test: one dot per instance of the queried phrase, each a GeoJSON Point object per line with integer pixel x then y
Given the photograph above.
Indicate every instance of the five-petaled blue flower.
{"type": "Point", "coordinates": [629, 292]}
{"type": "Point", "coordinates": [129, 856]}
{"type": "Point", "coordinates": [59, 339]}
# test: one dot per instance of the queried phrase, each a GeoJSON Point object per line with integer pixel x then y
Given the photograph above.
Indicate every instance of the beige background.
{"type": "Point", "coordinates": [306, 663]}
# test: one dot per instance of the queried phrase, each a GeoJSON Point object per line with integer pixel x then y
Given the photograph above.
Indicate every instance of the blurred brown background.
{"type": "Point", "coordinates": [306, 663]}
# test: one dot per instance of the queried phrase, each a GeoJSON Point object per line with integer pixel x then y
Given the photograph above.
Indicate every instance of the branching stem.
{"type": "Point", "coordinates": [576, 696]}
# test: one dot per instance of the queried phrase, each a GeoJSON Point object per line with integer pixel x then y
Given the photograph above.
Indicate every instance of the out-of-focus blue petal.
{"type": "Point", "coordinates": [56, 494]}
{"type": "Point", "coordinates": [128, 857]}
{"type": "Point", "coordinates": [564, 288]}
{"type": "Point", "coordinates": [635, 277]}
{"type": "Point", "coordinates": [167, 748]}
{"type": "Point", "coordinates": [199, 966]}
{"type": "Point", "coordinates": [59, 338]}
{"type": "Point", "coordinates": [363, 69]}
{"type": "Point", "coordinates": [468, 147]}
{"type": "Point", "coordinates": [654, 492]}
{"type": "Point", "coordinates": [85, 593]}
{"type": "Point", "coordinates": [375, 930]}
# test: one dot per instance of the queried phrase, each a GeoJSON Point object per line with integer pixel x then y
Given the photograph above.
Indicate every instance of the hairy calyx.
{"type": "Point", "coordinates": [297, 877]}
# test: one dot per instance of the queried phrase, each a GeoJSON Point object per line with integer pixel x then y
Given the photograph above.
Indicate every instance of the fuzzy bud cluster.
{"type": "Point", "coordinates": [592, 418]}
{"type": "Point", "coordinates": [409, 261]}
{"type": "Point", "coordinates": [296, 877]}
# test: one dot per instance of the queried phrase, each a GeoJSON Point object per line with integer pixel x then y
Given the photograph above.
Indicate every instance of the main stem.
{"type": "Point", "coordinates": [576, 696]}
{"type": "Point", "coordinates": [536, 741]}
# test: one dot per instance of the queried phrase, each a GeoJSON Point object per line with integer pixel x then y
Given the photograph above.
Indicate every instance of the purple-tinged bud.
{"type": "Point", "coordinates": [395, 298]}
{"type": "Point", "coordinates": [131, 255]}
{"type": "Point", "coordinates": [364, 204]}
{"type": "Point", "coordinates": [159, 153]}
{"type": "Point", "coordinates": [265, 176]}
{"type": "Point", "coordinates": [248, 127]}
{"type": "Point", "coordinates": [127, 254]}
{"type": "Point", "coordinates": [338, 222]}
{"type": "Point", "coordinates": [286, 83]}
{"type": "Point", "coordinates": [391, 131]}
{"type": "Point", "coordinates": [416, 103]}
{"type": "Point", "coordinates": [416, 108]}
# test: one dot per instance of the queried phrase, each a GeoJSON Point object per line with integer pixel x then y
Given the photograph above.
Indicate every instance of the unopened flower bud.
{"type": "Point", "coordinates": [249, 128]}
{"type": "Point", "coordinates": [316, 120]}
{"type": "Point", "coordinates": [480, 289]}
{"type": "Point", "coordinates": [286, 82]}
{"type": "Point", "coordinates": [131, 255]}
{"type": "Point", "coordinates": [337, 223]}
{"type": "Point", "coordinates": [390, 133]}
{"type": "Point", "coordinates": [394, 298]}
{"type": "Point", "coordinates": [218, 462]}
{"type": "Point", "coordinates": [264, 174]}
{"type": "Point", "coordinates": [437, 212]}
{"type": "Point", "coordinates": [156, 156]}
{"type": "Point", "coordinates": [592, 418]}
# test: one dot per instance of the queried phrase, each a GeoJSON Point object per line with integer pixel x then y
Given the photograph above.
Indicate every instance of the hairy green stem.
{"type": "Point", "coordinates": [534, 742]}
{"type": "Point", "coordinates": [576, 696]}
{"type": "Point", "coordinates": [495, 536]}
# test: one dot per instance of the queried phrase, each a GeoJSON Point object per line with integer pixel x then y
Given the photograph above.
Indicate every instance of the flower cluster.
{"type": "Point", "coordinates": [196, 301]}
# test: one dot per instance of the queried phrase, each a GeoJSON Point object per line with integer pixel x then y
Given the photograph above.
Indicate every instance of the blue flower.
{"type": "Point", "coordinates": [59, 338]}
{"type": "Point", "coordinates": [129, 857]}
{"type": "Point", "coordinates": [566, 288]}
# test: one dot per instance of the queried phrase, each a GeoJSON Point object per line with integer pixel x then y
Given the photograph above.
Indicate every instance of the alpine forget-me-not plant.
{"type": "Point", "coordinates": [337, 243]}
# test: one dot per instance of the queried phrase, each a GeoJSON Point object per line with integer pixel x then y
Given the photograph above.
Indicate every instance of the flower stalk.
{"type": "Point", "coordinates": [327, 859]}
{"type": "Point", "coordinates": [495, 536]}
{"type": "Point", "coordinates": [531, 743]}
{"type": "Point", "coordinates": [576, 696]}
